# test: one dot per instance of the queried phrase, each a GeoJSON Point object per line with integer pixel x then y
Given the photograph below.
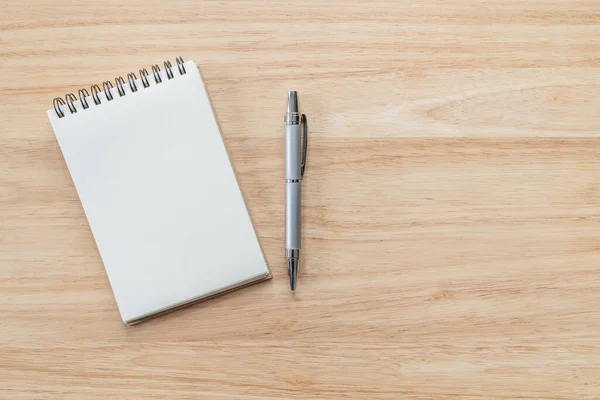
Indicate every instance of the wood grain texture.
{"type": "Point", "coordinates": [451, 202]}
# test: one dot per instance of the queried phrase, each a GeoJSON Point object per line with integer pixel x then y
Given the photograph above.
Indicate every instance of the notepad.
{"type": "Point", "coordinates": [153, 175]}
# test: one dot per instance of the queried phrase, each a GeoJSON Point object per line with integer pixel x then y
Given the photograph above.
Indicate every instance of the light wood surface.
{"type": "Point", "coordinates": [451, 202]}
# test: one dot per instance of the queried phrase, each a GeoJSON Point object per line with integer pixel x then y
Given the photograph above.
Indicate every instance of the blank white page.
{"type": "Point", "coordinates": [160, 195]}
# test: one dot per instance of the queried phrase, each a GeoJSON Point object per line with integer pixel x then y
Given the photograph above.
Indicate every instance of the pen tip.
{"type": "Point", "coordinates": [293, 272]}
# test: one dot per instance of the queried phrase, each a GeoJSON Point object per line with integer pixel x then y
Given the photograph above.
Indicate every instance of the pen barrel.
{"type": "Point", "coordinates": [293, 157]}
{"type": "Point", "coordinates": [292, 215]}
{"type": "Point", "coordinates": [292, 186]}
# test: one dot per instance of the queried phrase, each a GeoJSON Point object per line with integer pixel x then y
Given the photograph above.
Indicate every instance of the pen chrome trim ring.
{"type": "Point", "coordinates": [292, 180]}
{"type": "Point", "coordinates": [292, 253]}
{"type": "Point", "coordinates": [292, 118]}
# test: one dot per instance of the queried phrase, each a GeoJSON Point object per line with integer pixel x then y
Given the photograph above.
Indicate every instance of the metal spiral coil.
{"type": "Point", "coordinates": [70, 99]}
{"type": "Point", "coordinates": [107, 88]}
{"type": "Point", "coordinates": [131, 78]}
{"type": "Point", "coordinates": [156, 73]}
{"type": "Point", "coordinates": [168, 70]}
{"type": "Point", "coordinates": [82, 95]}
{"type": "Point", "coordinates": [120, 82]}
{"type": "Point", "coordinates": [107, 85]}
{"type": "Point", "coordinates": [144, 77]}
{"type": "Point", "coordinates": [95, 91]}
{"type": "Point", "coordinates": [180, 65]}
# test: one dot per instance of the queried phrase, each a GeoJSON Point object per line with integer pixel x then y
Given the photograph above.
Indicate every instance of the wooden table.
{"type": "Point", "coordinates": [451, 202]}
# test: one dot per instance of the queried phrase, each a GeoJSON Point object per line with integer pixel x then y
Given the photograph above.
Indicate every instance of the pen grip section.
{"type": "Point", "coordinates": [292, 215]}
{"type": "Point", "coordinates": [293, 157]}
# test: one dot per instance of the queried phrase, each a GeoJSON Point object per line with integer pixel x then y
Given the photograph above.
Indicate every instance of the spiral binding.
{"type": "Point", "coordinates": [107, 87]}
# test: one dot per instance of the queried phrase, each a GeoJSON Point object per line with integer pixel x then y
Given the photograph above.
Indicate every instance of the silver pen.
{"type": "Point", "coordinates": [295, 163]}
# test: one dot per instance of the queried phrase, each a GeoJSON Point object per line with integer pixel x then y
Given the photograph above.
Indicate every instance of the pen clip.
{"type": "Point", "coordinates": [304, 143]}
